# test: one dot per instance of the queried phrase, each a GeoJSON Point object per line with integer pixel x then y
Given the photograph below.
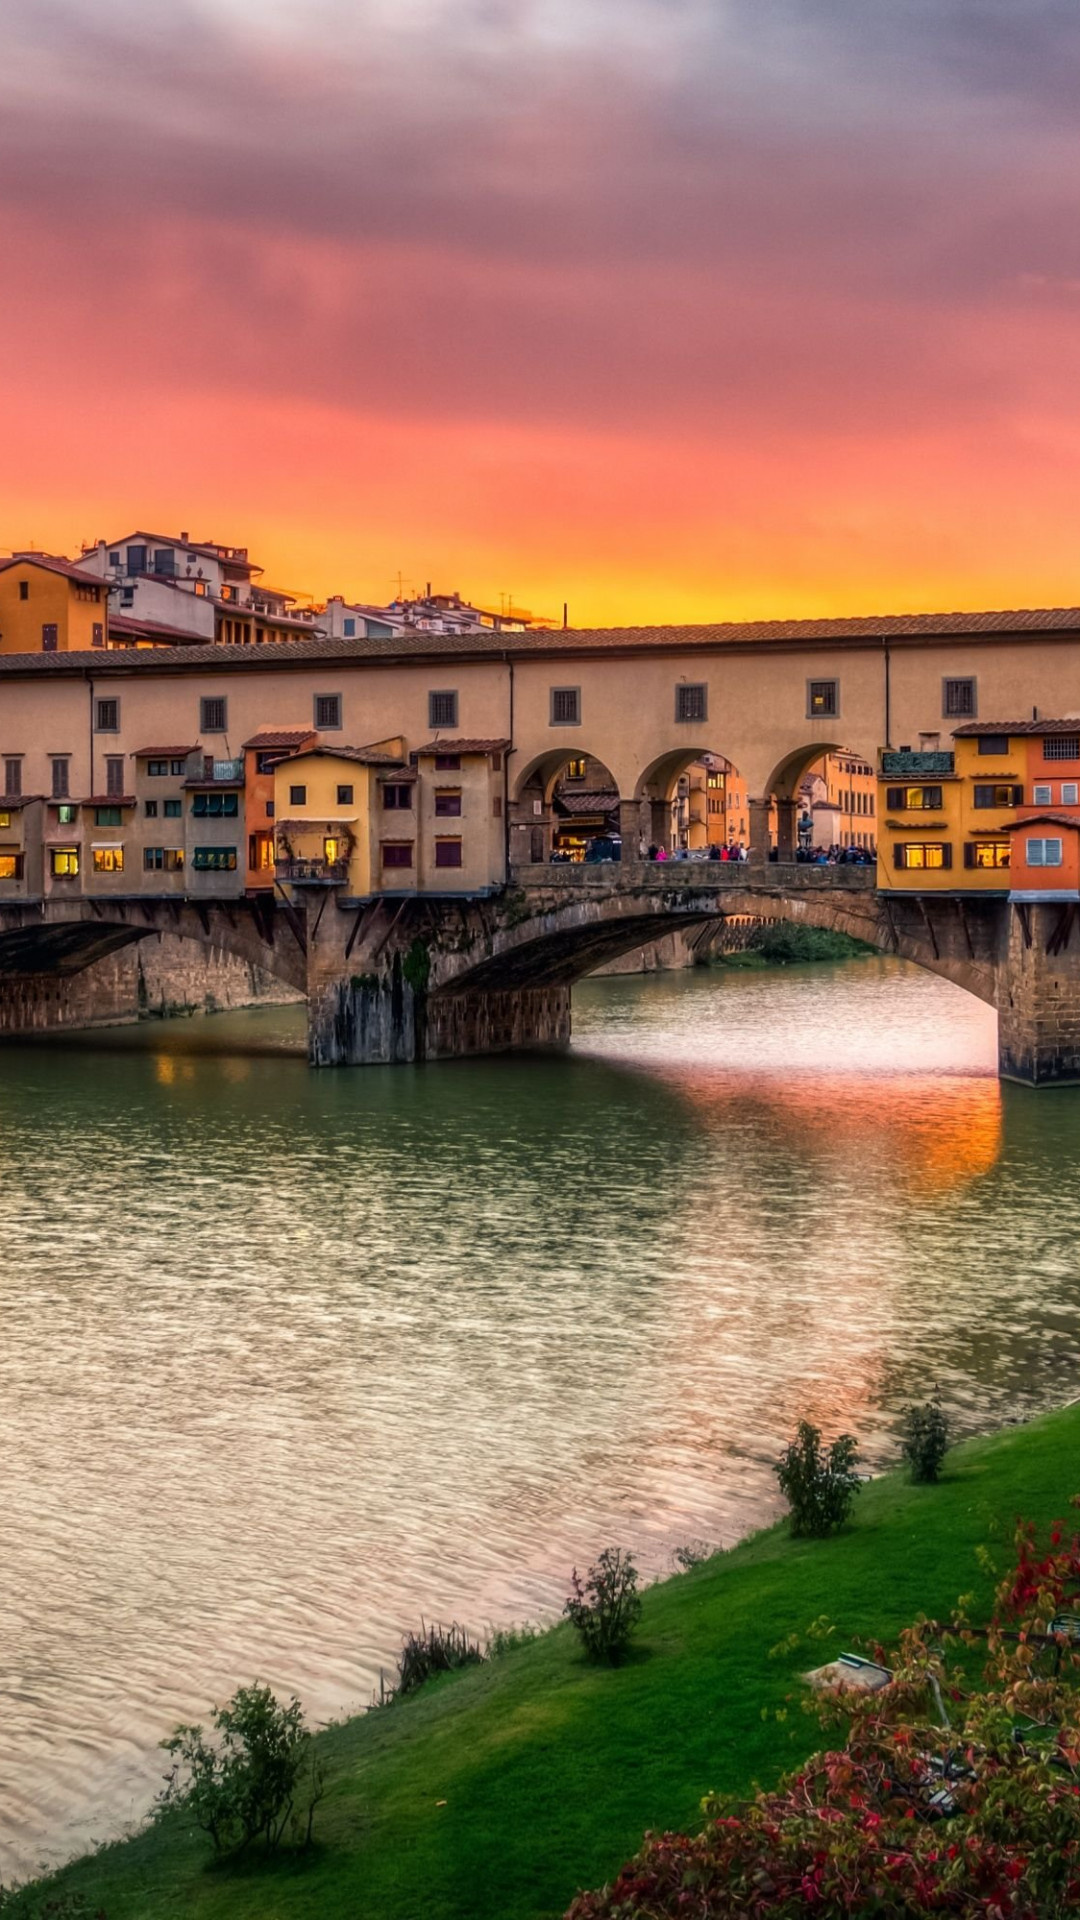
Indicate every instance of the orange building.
{"type": "Point", "coordinates": [263, 754]}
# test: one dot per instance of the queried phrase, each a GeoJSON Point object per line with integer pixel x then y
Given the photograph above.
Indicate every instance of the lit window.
{"type": "Point", "coordinates": [1000, 795]}
{"type": "Point", "coordinates": [64, 862]}
{"type": "Point", "coordinates": [914, 799]}
{"type": "Point", "coordinates": [924, 855]}
{"type": "Point", "coordinates": [575, 770]}
{"type": "Point", "coordinates": [987, 853]}
{"type": "Point", "coordinates": [108, 859]}
{"type": "Point", "coordinates": [65, 816]}
{"type": "Point", "coordinates": [214, 860]}
{"type": "Point", "coordinates": [11, 865]}
{"type": "Point", "coordinates": [1044, 853]}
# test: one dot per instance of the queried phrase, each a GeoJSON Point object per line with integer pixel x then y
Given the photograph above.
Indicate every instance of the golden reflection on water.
{"type": "Point", "coordinates": [290, 1358]}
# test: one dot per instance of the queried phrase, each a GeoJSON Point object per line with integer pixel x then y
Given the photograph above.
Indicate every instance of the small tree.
{"type": "Point", "coordinates": [244, 1786]}
{"type": "Point", "coordinates": [924, 1440]}
{"type": "Point", "coordinates": [819, 1485]}
{"type": "Point", "coordinates": [605, 1607]}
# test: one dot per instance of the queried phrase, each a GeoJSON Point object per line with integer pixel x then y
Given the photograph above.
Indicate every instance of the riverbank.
{"type": "Point", "coordinates": [497, 1793]}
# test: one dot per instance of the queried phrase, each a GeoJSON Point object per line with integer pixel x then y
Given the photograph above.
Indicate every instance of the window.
{"type": "Point", "coordinates": [298, 796]}
{"type": "Point", "coordinates": [575, 770]}
{"type": "Point", "coordinates": [214, 860]}
{"type": "Point", "coordinates": [156, 768]}
{"type": "Point", "coordinates": [1069, 793]}
{"type": "Point", "coordinates": [992, 743]}
{"type": "Point", "coordinates": [822, 699]}
{"type": "Point", "coordinates": [114, 559]}
{"type": "Point", "coordinates": [397, 853]}
{"type": "Point", "coordinates": [136, 559]}
{"type": "Point", "coordinates": [496, 806]}
{"type": "Point", "coordinates": [566, 706]}
{"type": "Point", "coordinates": [108, 859]}
{"type": "Point", "coordinates": [50, 636]}
{"type": "Point", "coordinates": [350, 628]}
{"type": "Point", "coordinates": [448, 853]}
{"type": "Point", "coordinates": [448, 763]}
{"type": "Point", "coordinates": [914, 799]}
{"type": "Point", "coordinates": [164, 560]}
{"type": "Point", "coordinates": [345, 796]}
{"type": "Point", "coordinates": [1042, 793]}
{"type": "Point", "coordinates": [270, 809]}
{"type": "Point", "coordinates": [1044, 853]}
{"type": "Point", "coordinates": [448, 802]}
{"type": "Point", "coordinates": [327, 710]}
{"type": "Point", "coordinates": [1061, 746]}
{"type": "Point", "coordinates": [213, 715]}
{"type": "Point", "coordinates": [394, 795]}
{"type": "Point", "coordinates": [11, 865]}
{"type": "Point", "coordinates": [24, 589]}
{"type": "Point", "coordinates": [926, 854]}
{"type": "Point", "coordinates": [215, 806]}
{"type": "Point", "coordinates": [108, 817]}
{"type": "Point", "coordinates": [65, 816]}
{"type": "Point", "coordinates": [114, 774]}
{"type": "Point", "coordinates": [12, 778]}
{"type": "Point", "coordinates": [107, 716]}
{"type": "Point", "coordinates": [690, 701]}
{"type": "Point", "coordinates": [163, 859]}
{"type": "Point", "coordinates": [98, 634]}
{"type": "Point", "coordinates": [150, 809]}
{"type": "Point", "coordinates": [5, 819]}
{"type": "Point", "coordinates": [1001, 795]}
{"type": "Point", "coordinates": [60, 783]}
{"type": "Point", "coordinates": [172, 809]}
{"type": "Point", "coordinates": [987, 853]}
{"type": "Point", "coordinates": [442, 712]}
{"type": "Point", "coordinates": [64, 862]}
{"type": "Point", "coordinates": [496, 763]}
{"type": "Point", "coordinates": [958, 699]}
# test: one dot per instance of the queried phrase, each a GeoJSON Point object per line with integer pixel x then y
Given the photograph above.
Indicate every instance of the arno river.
{"type": "Point", "coordinates": [290, 1359]}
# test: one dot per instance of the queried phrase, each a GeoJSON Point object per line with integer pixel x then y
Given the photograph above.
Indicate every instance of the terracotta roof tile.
{"type": "Point", "coordinates": [972, 728]}
{"type": "Point", "coordinates": [163, 753]}
{"type": "Point", "coordinates": [463, 746]}
{"type": "Point", "coordinates": [54, 563]}
{"type": "Point", "coordinates": [367, 756]}
{"type": "Point", "coordinates": [279, 737]}
{"type": "Point", "coordinates": [1054, 815]}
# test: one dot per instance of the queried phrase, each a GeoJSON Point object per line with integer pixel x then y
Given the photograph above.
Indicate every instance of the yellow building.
{"type": "Point", "coordinates": [49, 606]}
{"type": "Point", "coordinates": [328, 806]}
{"type": "Point", "coordinates": [945, 816]}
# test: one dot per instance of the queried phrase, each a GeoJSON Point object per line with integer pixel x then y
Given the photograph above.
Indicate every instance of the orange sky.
{"type": "Point", "coordinates": [671, 309]}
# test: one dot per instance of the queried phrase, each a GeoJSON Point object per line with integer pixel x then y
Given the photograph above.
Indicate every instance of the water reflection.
{"type": "Point", "coordinates": [288, 1358]}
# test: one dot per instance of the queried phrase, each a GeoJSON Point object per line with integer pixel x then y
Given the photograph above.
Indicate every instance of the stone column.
{"type": "Point", "coordinates": [630, 828]}
{"type": "Point", "coordinates": [787, 829]}
{"type": "Point", "coordinates": [760, 841]}
{"type": "Point", "coordinates": [660, 823]}
{"type": "Point", "coordinates": [1039, 995]}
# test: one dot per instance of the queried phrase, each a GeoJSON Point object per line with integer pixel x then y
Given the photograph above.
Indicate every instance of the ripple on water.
{"type": "Point", "coordinates": [290, 1358]}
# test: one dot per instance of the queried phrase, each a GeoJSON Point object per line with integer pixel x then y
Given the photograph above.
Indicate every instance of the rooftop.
{"type": "Point", "coordinates": [462, 746]}
{"type": "Point", "coordinates": [279, 737]}
{"type": "Point", "coordinates": [53, 563]}
{"type": "Point", "coordinates": [367, 756]}
{"type": "Point", "coordinates": [869, 629]}
{"type": "Point", "coordinates": [972, 728]}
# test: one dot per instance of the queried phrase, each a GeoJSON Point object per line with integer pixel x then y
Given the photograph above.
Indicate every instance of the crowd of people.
{"type": "Point", "coordinates": [607, 847]}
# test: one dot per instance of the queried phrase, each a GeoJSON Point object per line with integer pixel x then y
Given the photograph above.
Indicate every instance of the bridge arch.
{"type": "Point", "coordinates": [63, 938]}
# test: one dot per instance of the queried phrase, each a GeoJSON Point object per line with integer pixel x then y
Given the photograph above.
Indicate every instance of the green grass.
{"type": "Point", "coordinates": [551, 1771]}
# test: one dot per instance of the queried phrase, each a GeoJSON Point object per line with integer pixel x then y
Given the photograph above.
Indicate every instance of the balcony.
{"type": "Point", "coordinates": [313, 872]}
{"type": "Point", "coordinates": [905, 765]}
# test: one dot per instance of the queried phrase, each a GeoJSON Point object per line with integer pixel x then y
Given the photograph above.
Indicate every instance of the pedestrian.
{"type": "Point", "coordinates": [661, 852]}
{"type": "Point", "coordinates": [644, 851]}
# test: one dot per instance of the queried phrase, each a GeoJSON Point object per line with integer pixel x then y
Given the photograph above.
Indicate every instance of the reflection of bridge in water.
{"type": "Point", "coordinates": [406, 977]}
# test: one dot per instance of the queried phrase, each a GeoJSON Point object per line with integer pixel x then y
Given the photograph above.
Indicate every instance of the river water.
{"type": "Point", "coordinates": [289, 1359]}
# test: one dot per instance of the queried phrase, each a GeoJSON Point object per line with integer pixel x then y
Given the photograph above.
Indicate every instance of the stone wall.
{"type": "Point", "coordinates": [149, 979]}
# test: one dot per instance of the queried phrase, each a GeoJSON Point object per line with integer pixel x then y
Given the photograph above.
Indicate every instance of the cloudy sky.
{"type": "Point", "coordinates": [667, 308]}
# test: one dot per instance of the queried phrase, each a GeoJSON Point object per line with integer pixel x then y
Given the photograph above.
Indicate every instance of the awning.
{"type": "Point", "coordinates": [327, 820]}
{"type": "Point", "coordinates": [106, 846]}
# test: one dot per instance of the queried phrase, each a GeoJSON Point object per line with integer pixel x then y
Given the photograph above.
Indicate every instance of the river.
{"type": "Point", "coordinates": [289, 1359]}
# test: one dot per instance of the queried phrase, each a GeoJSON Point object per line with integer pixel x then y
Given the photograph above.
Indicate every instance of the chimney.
{"type": "Point", "coordinates": [184, 538]}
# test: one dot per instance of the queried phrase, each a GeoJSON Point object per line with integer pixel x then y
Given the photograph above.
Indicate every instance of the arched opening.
{"type": "Point", "coordinates": [566, 808]}
{"type": "Point", "coordinates": [693, 801]}
{"type": "Point", "coordinates": [820, 805]}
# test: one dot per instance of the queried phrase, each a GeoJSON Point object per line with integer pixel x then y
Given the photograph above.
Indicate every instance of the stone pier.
{"type": "Point", "coordinates": [1039, 996]}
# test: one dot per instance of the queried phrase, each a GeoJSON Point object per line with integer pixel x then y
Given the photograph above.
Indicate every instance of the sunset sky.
{"type": "Point", "coordinates": [671, 309]}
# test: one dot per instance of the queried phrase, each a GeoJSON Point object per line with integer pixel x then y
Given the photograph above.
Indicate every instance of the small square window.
{"type": "Point", "coordinates": [397, 795]}
{"type": "Point", "coordinates": [107, 716]}
{"type": "Point", "coordinates": [448, 763]}
{"type": "Point", "coordinates": [1061, 746]}
{"type": "Point", "coordinates": [173, 809]}
{"type": "Point", "coordinates": [213, 715]}
{"type": "Point", "coordinates": [65, 815]}
{"type": "Point", "coordinates": [993, 743]}
{"type": "Point", "coordinates": [448, 802]}
{"type": "Point", "coordinates": [691, 701]}
{"type": "Point", "coordinates": [448, 853]}
{"type": "Point", "coordinates": [64, 862]}
{"type": "Point", "coordinates": [298, 796]}
{"type": "Point", "coordinates": [327, 711]}
{"type": "Point", "coordinates": [1069, 792]}
{"type": "Point", "coordinates": [1042, 795]}
{"type": "Point", "coordinates": [345, 796]}
{"type": "Point", "coordinates": [822, 699]}
{"type": "Point", "coordinates": [397, 853]}
{"type": "Point", "coordinates": [566, 706]}
{"type": "Point", "coordinates": [958, 699]}
{"type": "Point", "coordinates": [443, 709]}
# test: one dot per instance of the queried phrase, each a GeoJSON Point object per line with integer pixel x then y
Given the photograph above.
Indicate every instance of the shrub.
{"type": "Point", "coordinates": [245, 1785]}
{"type": "Point", "coordinates": [924, 1440]}
{"type": "Point", "coordinates": [693, 1553]}
{"type": "Point", "coordinates": [605, 1607]}
{"type": "Point", "coordinates": [979, 1820]}
{"type": "Point", "coordinates": [502, 1640]}
{"type": "Point", "coordinates": [819, 1486]}
{"type": "Point", "coordinates": [435, 1649]}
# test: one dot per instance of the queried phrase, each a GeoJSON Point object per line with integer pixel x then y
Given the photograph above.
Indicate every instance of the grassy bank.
{"type": "Point", "coordinates": [496, 1793]}
{"type": "Point", "coordinates": [787, 946]}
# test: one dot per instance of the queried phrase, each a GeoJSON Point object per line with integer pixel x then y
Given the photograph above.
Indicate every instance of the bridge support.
{"type": "Point", "coordinates": [392, 1021]}
{"type": "Point", "coordinates": [1039, 995]}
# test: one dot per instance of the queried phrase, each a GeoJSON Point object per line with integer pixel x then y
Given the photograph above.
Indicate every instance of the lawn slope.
{"type": "Point", "coordinates": [551, 1771]}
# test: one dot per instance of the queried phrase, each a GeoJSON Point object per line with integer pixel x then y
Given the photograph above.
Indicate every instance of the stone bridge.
{"type": "Point", "coordinates": [412, 977]}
